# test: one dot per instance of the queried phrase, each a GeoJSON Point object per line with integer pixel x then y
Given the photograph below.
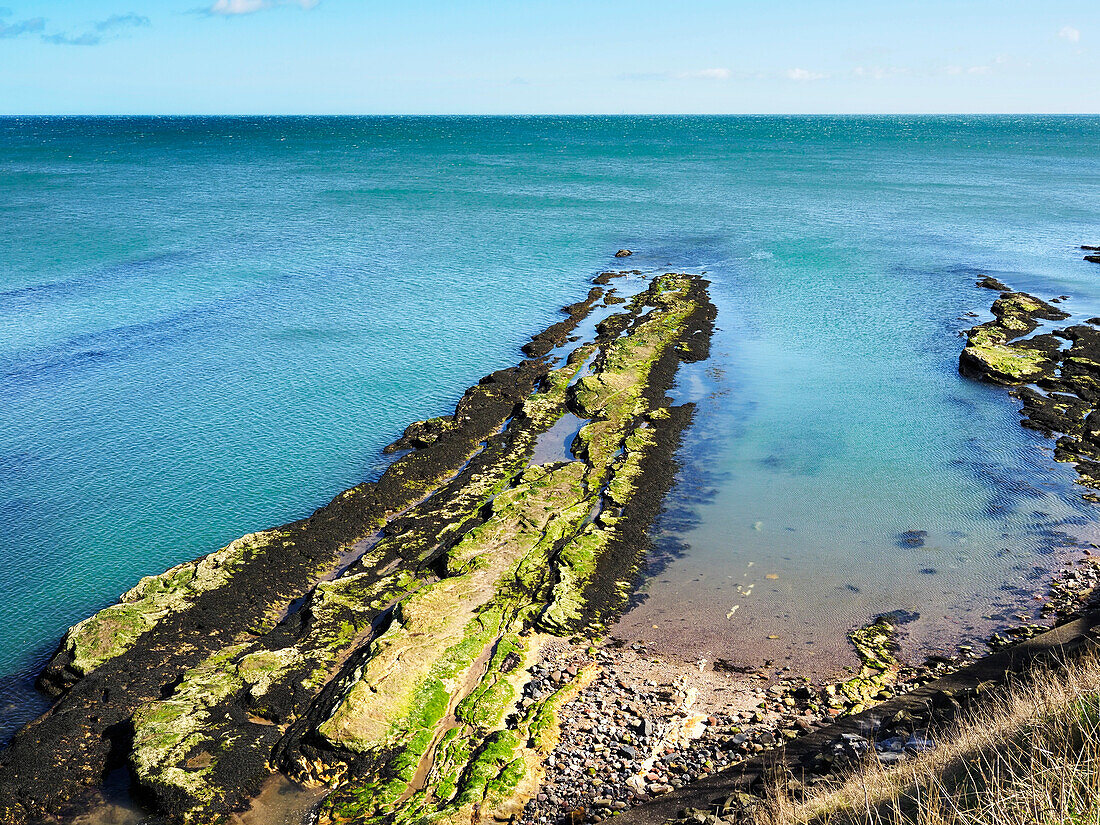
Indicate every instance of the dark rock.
{"type": "Point", "coordinates": [995, 354]}
{"type": "Point", "coordinates": [624, 253]}
{"type": "Point", "coordinates": [912, 538]}
{"type": "Point", "coordinates": [557, 334]}
{"type": "Point", "coordinates": [992, 283]}
{"type": "Point", "coordinates": [918, 744]}
{"type": "Point", "coordinates": [894, 743]}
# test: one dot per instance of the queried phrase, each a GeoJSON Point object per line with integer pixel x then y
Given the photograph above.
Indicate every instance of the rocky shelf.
{"type": "Point", "coordinates": [421, 649]}
{"type": "Point", "coordinates": [383, 647]}
{"type": "Point", "coordinates": [1055, 374]}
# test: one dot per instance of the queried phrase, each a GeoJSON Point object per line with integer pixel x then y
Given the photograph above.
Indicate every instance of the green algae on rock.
{"type": "Point", "coordinates": [115, 629]}
{"type": "Point", "coordinates": [553, 516]}
{"type": "Point", "coordinates": [992, 352]}
{"type": "Point", "coordinates": [1059, 385]}
{"type": "Point", "coordinates": [387, 662]}
{"type": "Point", "coordinates": [876, 645]}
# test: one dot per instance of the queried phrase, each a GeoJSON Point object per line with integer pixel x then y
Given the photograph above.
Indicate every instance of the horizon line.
{"type": "Point", "coordinates": [534, 114]}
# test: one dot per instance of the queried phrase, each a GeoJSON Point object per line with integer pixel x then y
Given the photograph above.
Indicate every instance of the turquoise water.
{"type": "Point", "coordinates": [209, 326]}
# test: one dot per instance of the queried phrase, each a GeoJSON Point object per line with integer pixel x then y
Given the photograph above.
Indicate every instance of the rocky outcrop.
{"type": "Point", "coordinates": [558, 334]}
{"type": "Point", "coordinates": [1056, 375]}
{"type": "Point", "coordinates": [624, 253]}
{"type": "Point", "coordinates": [380, 647]}
{"type": "Point", "coordinates": [989, 282]}
{"type": "Point", "coordinates": [110, 668]}
{"type": "Point", "coordinates": [994, 351]}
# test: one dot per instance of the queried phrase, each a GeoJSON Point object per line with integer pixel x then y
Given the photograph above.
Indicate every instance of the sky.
{"type": "Point", "coordinates": [548, 56]}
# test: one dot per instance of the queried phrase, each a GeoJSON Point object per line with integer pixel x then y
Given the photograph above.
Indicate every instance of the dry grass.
{"type": "Point", "coordinates": [1030, 755]}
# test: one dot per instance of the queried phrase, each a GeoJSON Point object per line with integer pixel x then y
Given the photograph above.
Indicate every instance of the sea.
{"type": "Point", "coordinates": [210, 326]}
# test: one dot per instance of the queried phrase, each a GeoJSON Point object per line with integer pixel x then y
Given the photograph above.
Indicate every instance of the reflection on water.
{"type": "Point", "coordinates": [556, 444]}
{"type": "Point", "coordinates": [283, 802]}
{"type": "Point", "coordinates": [847, 471]}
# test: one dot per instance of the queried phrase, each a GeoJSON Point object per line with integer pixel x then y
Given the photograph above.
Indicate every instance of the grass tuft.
{"type": "Point", "coordinates": [1030, 755]}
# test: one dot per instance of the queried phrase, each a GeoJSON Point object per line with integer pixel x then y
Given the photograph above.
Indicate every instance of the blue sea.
{"type": "Point", "coordinates": [213, 325]}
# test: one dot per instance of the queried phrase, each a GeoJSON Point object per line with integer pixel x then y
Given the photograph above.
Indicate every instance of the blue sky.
{"type": "Point", "coordinates": [547, 56]}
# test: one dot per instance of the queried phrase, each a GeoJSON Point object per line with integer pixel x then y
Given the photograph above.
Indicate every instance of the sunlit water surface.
{"type": "Point", "coordinates": [210, 326]}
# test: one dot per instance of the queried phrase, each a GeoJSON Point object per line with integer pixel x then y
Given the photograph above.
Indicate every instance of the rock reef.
{"type": "Point", "coordinates": [1056, 376]}
{"type": "Point", "coordinates": [380, 648]}
{"type": "Point", "coordinates": [995, 351]}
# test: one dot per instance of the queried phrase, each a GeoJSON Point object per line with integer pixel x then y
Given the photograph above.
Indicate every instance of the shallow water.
{"type": "Point", "coordinates": [209, 326]}
{"type": "Point", "coordinates": [556, 444]}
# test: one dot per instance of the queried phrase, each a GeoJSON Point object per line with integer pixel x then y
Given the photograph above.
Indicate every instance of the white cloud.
{"type": "Point", "coordinates": [803, 74]}
{"type": "Point", "coordinates": [707, 74]}
{"type": "Point", "coordinates": [238, 6]}
{"type": "Point", "coordinates": [979, 70]}
{"type": "Point", "coordinates": [1069, 33]}
{"type": "Point", "coordinates": [231, 7]}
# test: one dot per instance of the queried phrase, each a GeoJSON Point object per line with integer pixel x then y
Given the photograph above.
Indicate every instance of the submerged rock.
{"type": "Point", "coordinates": [912, 538]}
